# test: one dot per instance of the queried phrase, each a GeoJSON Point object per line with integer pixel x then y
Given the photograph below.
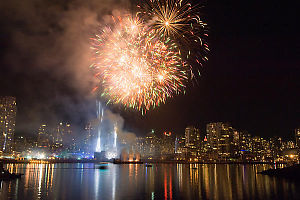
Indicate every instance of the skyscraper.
{"type": "Point", "coordinates": [167, 144]}
{"type": "Point", "coordinates": [192, 140]}
{"type": "Point", "coordinates": [43, 137]}
{"type": "Point", "coordinates": [62, 135]}
{"type": "Point", "coordinates": [8, 111]}
{"type": "Point", "coordinates": [152, 145]}
{"type": "Point", "coordinates": [220, 138]}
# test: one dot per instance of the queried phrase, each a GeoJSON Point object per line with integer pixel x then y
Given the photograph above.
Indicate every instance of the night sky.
{"type": "Point", "coordinates": [252, 78]}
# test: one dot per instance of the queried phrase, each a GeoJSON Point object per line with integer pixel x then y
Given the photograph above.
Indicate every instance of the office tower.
{"type": "Point", "coordinates": [152, 145]}
{"type": "Point", "coordinates": [140, 145]}
{"type": "Point", "coordinates": [43, 137]}
{"type": "Point", "coordinates": [88, 142]}
{"type": "Point", "coordinates": [8, 111]}
{"type": "Point", "coordinates": [63, 131]}
{"type": "Point", "coordinates": [245, 141]}
{"type": "Point", "coordinates": [62, 135]}
{"type": "Point", "coordinates": [167, 144]}
{"type": "Point", "coordinates": [236, 143]}
{"type": "Point", "coordinates": [20, 144]}
{"type": "Point", "coordinates": [220, 137]}
{"type": "Point", "coordinates": [275, 144]}
{"type": "Point", "coordinates": [192, 140]}
{"type": "Point", "coordinates": [180, 148]}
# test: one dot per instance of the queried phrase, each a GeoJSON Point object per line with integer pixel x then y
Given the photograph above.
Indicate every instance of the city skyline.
{"type": "Point", "coordinates": [79, 129]}
{"type": "Point", "coordinates": [221, 142]}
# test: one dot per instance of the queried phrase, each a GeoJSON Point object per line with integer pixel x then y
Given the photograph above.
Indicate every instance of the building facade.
{"type": "Point", "coordinates": [8, 112]}
{"type": "Point", "coordinates": [220, 138]}
{"type": "Point", "coordinates": [192, 140]}
{"type": "Point", "coordinates": [43, 137]}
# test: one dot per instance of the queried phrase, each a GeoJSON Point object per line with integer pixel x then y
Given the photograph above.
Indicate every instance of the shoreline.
{"type": "Point", "coordinates": [13, 161]}
{"type": "Point", "coordinates": [290, 172]}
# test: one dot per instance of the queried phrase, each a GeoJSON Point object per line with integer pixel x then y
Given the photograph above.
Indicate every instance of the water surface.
{"type": "Point", "coordinates": [161, 181]}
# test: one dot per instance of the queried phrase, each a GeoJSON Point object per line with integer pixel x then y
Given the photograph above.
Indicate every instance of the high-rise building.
{"type": "Point", "coordinates": [213, 136]}
{"type": "Point", "coordinates": [43, 137]}
{"type": "Point", "coordinates": [20, 144]}
{"type": "Point", "coordinates": [62, 135]}
{"type": "Point", "coordinates": [275, 144]}
{"type": "Point", "coordinates": [63, 131]}
{"type": "Point", "coordinates": [88, 142]}
{"type": "Point", "coordinates": [192, 140]}
{"type": "Point", "coordinates": [139, 145]}
{"type": "Point", "coordinates": [8, 111]}
{"type": "Point", "coordinates": [152, 145]}
{"type": "Point", "coordinates": [245, 141]}
{"type": "Point", "coordinates": [236, 143]}
{"type": "Point", "coordinates": [259, 148]}
{"type": "Point", "coordinates": [180, 145]}
{"type": "Point", "coordinates": [167, 144]}
{"type": "Point", "coordinates": [220, 138]}
{"type": "Point", "coordinates": [245, 145]}
{"type": "Point", "coordinates": [297, 137]}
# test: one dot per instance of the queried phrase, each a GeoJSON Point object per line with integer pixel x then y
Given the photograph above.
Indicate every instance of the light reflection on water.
{"type": "Point", "coordinates": [161, 181]}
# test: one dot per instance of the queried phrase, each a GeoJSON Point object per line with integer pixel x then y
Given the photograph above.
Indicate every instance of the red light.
{"type": "Point", "coordinates": [167, 134]}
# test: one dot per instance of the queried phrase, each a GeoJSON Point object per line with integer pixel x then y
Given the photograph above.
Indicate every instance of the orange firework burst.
{"type": "Point", "coordinates": [137, 68]}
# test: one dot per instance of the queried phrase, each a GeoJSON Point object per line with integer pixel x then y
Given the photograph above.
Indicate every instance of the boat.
{"type": "Point", "coordinates": [148, 165]}
{"type": "Point", "coordinates": [102, 165]}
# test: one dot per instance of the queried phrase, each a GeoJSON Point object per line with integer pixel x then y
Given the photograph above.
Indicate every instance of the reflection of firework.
{"type": "Point", "coordinates": [180, 21]}
{"type": "Point", "coordinates": [137, 68]}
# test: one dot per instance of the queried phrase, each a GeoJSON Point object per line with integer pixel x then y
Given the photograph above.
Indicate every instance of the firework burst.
{"type": "Point", "coordinates": [180, 21]}
{"type": "Point", "coordinates": [137, 68]}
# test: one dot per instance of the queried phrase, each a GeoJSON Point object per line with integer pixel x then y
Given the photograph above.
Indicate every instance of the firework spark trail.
{"type": "Point", "coordinates": [180, 21]}
{"type": "Point", "coordinates": [138, 69]}
{"type": "Point", "coordinates": [100, 118]}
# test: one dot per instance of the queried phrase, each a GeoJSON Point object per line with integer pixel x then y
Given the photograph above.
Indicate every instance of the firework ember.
{"type": "Point", "coordinates": [137, 68]}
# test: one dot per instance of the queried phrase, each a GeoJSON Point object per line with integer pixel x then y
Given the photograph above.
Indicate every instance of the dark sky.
{"type": "Point", "coordinates": [252, 78]}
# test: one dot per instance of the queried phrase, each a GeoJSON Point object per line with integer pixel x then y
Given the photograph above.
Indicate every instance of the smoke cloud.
{"type": "Point", "coordinates": [110, 120]}
{"type": "Point", "coordinates": [46, 53]}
